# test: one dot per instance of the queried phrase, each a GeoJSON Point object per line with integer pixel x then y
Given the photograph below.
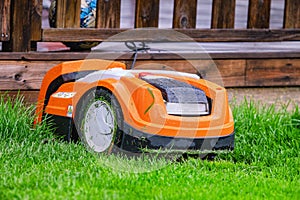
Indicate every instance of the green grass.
{"type": "Point", "coordinates": [264, 164]}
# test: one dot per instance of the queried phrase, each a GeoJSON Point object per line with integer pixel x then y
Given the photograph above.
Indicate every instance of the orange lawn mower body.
{"type": "Point", "coordinates": [107, 105]}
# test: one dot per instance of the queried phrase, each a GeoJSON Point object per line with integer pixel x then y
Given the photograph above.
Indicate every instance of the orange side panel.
{"type": "Point", "coordinates": [69, 67]}
{"type": "Point", "coordinates": [59, 105]}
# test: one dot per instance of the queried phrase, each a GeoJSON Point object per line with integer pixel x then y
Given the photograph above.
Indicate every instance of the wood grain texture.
{"type": "Point", "coordinates": [65, 56]}
{"type": "Point", "coordinates": [232, 72]}
{"type": "Point", "coordinates": [223, 13]}
{"type": "Point", "coordinates": [185, 14]}
{"type": "Point", "coordinates": [199, 35]}
{"type": "Point", "coordinates": [20, 34]}
{"type": "Point", "coordinates": [292, 14]}
{"type": "Point", "coordinates": [285, 72]}
{"type": "Point", "coordinates": [68, 13]}
{"type": "Point", "coordinates": [259, 14]}
{"type": "Point", "coordinates": [147, 13]}
{"type": "Point", "coordinates": [23, 75]}
{"type": "Point", "coordinates": [5, 20]}
{"type": "Point", "coordinates": [36, 20]}
{"type": "Point", "coordinates": [108, 13]}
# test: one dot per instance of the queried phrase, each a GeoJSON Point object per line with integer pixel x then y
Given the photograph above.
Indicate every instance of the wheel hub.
{"type": "Point", "coordinates": [99, 126]}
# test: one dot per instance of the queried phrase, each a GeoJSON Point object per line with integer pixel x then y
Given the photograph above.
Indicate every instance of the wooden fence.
{"type": "Point", "coordinates": [22, 67]}
{"type": "Point", "coordinates": [21, 25]}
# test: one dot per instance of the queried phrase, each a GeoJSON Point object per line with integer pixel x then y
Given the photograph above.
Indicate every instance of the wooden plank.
{"type": "Point", "coordinates": [28, 75]}
{"type": "Point", "coordinates": [177, 65]}
{"type": "Point", "coordinates": [232, 72]}
{"type": "Point", "coordinates": [36, 23]}
{"type": "Point", "coordinates": [259, 13]}
{"type": "Point", "coordinates": [5, 20]}
{"type": "Point", "coordinates": [146, 13]}
{"type": "Point", "coordinates": [22, 75]}
{"type": "Point", "coordinates": [108, 14]}
{"type": "Point", "coordinates": [229, 72]}
{"type": "Point", "coordinates": [284, 72]}
{"type": "Point", "coordinates": [36, 20]}
{"type": "Point", "coordinates": [223, 13]}
{"type": "Point", "coordinates": [64, 56]}
{"type": "Point", "coordinates": [20, 36]}
{"type": "Point", "coordinates": [11, 55]}
{"type": "Point", "coordinates": [199, 35]}
{"type": "Point", "coordinates": [292, 14]}
{"type": "Point", "coordinates": [185, 14]}
{"type": "Point", "coordinates": [68, 13]}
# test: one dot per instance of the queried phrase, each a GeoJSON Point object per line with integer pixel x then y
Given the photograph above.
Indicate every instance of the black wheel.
{"type": "Point", "coordinates": [99, 120]}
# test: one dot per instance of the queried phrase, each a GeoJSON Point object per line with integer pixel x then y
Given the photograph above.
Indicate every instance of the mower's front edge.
{"type": "Point", "coordinates": [137, 141]}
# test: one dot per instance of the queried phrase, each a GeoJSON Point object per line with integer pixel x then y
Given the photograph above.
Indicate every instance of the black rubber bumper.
{"type": "Point", "coordinates": [136, 141]}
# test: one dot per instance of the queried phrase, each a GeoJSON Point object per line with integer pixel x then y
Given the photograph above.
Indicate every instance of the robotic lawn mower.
{"type": "Point", "coordinates": [107, 106]}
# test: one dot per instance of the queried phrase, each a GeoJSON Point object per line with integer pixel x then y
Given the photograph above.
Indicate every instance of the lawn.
{"type": "Point", "coordinates": [264, 165]}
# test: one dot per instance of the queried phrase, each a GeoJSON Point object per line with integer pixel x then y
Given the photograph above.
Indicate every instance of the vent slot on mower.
{"type": "Point", "coordinates": [180, 98]}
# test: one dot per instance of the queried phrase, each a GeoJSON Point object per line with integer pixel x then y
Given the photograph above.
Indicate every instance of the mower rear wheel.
{"type": "Point", "coordinates": [98, 119]}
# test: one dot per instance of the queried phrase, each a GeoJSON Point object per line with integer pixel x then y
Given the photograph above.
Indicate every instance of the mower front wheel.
{"type": "Point", "coordinates": [98, 120]}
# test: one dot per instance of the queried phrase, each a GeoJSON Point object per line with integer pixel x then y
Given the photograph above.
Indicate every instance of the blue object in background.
{"type": "Point", "coordinates": [88, 13]}
{"type": "Point", "coordinates": [87, 20]}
